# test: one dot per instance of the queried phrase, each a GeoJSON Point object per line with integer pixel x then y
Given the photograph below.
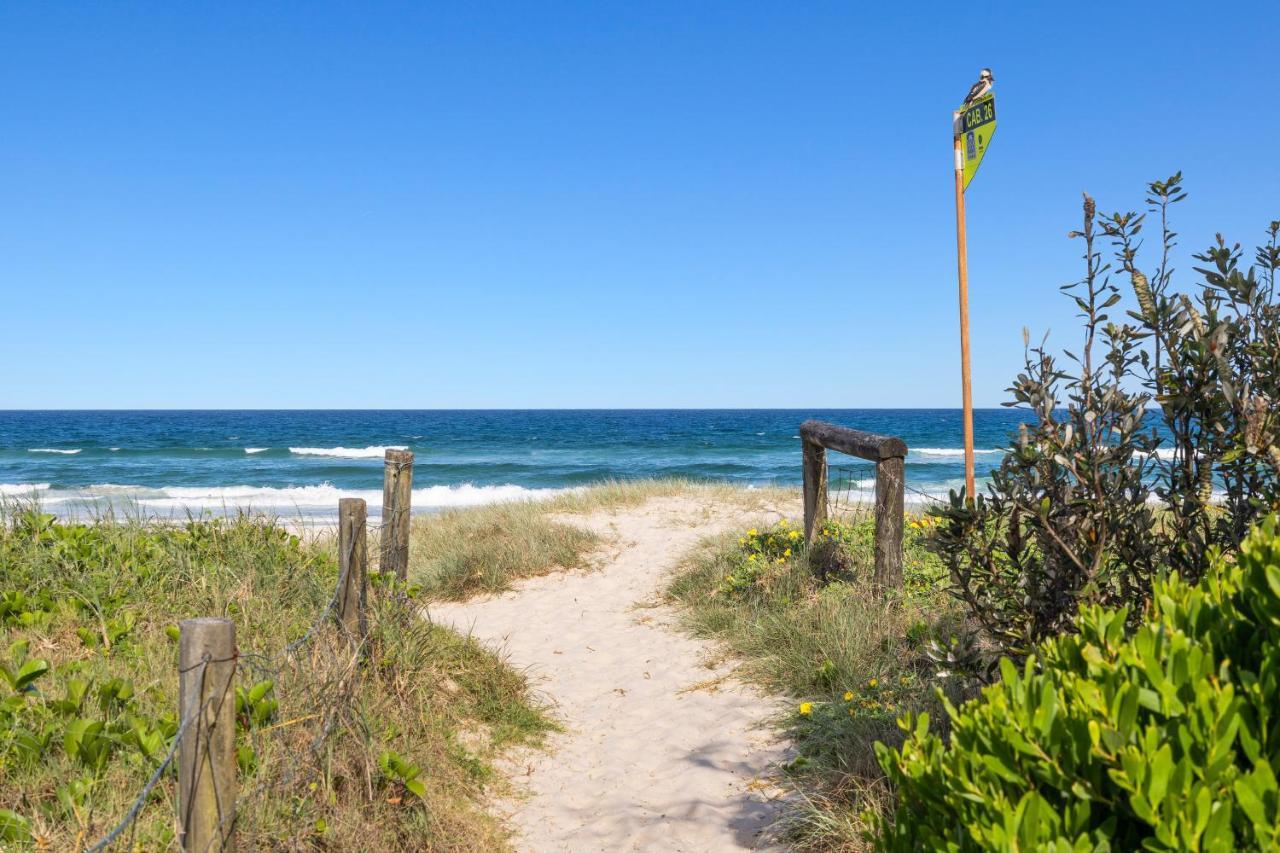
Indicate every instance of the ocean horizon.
{"type": "Point", "coordinates": [299, 462]}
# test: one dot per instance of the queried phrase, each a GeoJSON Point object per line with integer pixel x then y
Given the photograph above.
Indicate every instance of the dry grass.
{"type": "Point", "coordinates": [853, 656]}
{"type": "Point", "coordinates": [460, 553]}
{"type": "Point", "coordinates": [98, 603]}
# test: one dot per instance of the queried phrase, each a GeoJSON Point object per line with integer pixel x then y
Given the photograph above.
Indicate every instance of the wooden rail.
{"type": "Point", "coordinates": [888, 452]}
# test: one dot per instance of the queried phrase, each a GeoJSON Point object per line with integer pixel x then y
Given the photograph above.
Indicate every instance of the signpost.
{"type": "Point", "coordinates": [973, 125]}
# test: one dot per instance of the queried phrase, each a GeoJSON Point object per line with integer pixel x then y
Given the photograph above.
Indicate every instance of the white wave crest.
{"type": "Point", "coordinates": [945, 452]}
{"type": "Point", "coordinates": [22, 490]}
{"type": "Point", "coordinates": [375, 452]}
{"type": "Point", "coordinates": [256, 449]}
{"type": "Point", "coordinates": [53, 450]}
{"type": "Point", "coordinates": [293, 501]}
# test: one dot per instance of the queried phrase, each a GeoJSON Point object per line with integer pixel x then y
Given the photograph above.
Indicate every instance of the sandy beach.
{"type": "Point", "coordinates": [662, 748]}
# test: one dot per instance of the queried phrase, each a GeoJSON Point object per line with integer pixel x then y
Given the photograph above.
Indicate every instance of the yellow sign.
{"type": "Point", "coordinates": [975, 125]}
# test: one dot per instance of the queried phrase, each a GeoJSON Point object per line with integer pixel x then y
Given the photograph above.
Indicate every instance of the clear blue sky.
{"type": "Point", "coordinates": [583, 204]}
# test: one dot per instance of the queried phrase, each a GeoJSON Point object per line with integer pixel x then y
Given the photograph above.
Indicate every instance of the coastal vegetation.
{"type": "Point", "coordinates": [1085, 655]}
{"type": "Point", "coordinates": [1162, 737]}
{"type": "Point", "coordinates": [1154, 444]}
{"type": "Point", "coordinates": [397, 757]}
{"type": "Point", "coordinates": [808, 623]}
{"type": "Point", "coordinates": [1120, 608]}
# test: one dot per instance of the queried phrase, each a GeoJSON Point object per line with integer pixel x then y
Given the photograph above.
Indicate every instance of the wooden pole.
{"type": "Point", "coordinates": [397, 488]}
{"type": "Point", "coordinates": [815, 488]}
{"type": "Point", "coordinates": [353, 562]}
{"type": "Point", "coordinates": [962, 262]}
{"type": "Point", "coordinates": [890, 484]}
{"type": "Point", "coordinates": [207, 754]}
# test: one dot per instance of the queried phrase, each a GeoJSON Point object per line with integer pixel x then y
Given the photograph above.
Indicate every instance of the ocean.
{"type": "Point", "coordinates": [298, 463]}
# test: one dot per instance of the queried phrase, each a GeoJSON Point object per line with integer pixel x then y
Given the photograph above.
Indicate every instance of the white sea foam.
{"type": "Point", "coordinates": [256, 449]}
{"type": "Point", "coordinates": [295, 501]}
{"type": "Point", "coordinates": [22, 490]}
{"type": "Point", "coordinates": [945, 452]}
{"type": "Point", "coordinates": [375, 452]}
{"type": "Point", "coordinates": [54, 450]}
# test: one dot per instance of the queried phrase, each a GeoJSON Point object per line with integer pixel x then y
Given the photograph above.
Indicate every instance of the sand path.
{"type": "Point", "coordinates": [662, 750]}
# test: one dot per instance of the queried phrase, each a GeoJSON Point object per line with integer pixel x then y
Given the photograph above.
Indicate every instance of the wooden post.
{"type": "Point", "coordinates": [890, 476]}
{"type": "Point", "coordinates": [397, 487]}
{"type": "Point", "coordinates": [353, 562]}
{"type": "Point", "coordinates": [815, 488]}
{"type": "Point", "coordinates": [962, 268]}
{"type": "Point", "coordinates": [207, 754]}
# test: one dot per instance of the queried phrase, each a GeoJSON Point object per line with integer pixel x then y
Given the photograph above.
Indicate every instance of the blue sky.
{"type": "Point", "coordinates": [584, 204]}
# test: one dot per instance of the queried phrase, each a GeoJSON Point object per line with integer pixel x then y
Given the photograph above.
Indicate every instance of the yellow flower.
{"type": "Point", "coordinates": [848, 695]}
{"type": "Point", "coordinates": [786, 553]}
{"type": "Point", "coordinates": [793, 535]}
{"type": "Point", "coordinates": [806, 708]}
{"type": "Point", "coordinates": [751, 558]}
{"type": "Point", "coordinates": [873, 682]}
{"type": "Point", "coordinates": [782, 523]}
{"type": "Point", "coordinates": [753, 532]}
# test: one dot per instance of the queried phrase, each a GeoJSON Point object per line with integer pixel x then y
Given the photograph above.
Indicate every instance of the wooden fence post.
{"type": "Point", "coordinates": [397, 487]}
{"type": "Point", "coordinates": [890, 483]}
{"type": "Point", "coordinates": [207, 754]}
{"type": "Point", "coordinates": [353, 564]}
{"type": "Point", "coordinates": [815, 488]}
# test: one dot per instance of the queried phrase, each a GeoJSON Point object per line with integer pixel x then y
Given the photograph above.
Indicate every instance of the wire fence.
{"type": "Point", "coordinates": [851, 493]}
{"type": "Point", "coordinates": [315, 677]}
{"type": "Point", "coordinates": [920, 501]}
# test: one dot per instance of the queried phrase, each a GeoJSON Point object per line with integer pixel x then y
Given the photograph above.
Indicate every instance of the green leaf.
{"type": "Point", "coordinates": [14, 827]}
{"type": "Point", "coordinates": [29, 672]}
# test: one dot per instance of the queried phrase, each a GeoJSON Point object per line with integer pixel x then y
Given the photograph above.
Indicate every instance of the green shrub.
{"type": "Point", "coordinates": [1163, 739]}
{"type": "Point", "coordinates": [1069, 516]}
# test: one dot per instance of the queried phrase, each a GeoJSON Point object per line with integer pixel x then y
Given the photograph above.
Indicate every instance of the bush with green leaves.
{"type": "Point", "coordinates": [1163, 738]}
{"type": "Point", "coordinates": [1092, 501]}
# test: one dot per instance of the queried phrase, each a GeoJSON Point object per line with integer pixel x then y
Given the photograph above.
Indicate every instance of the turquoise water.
{"type": "Point", "coordinates": [301, 462]}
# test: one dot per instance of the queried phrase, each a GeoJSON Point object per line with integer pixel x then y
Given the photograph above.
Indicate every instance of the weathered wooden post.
{"type": "Point", "coordinates": [397, 488]}
{"type": "Point", "coordinates": [207, 754]}
{"type": "Point", "coordinates": [890, 483]}
{"type": "Point", "coordinates": [815, 488]}
{"type": "Point", "coordinates": [889, 453]}
{"type": "Point", "coordinates": [353, 566]}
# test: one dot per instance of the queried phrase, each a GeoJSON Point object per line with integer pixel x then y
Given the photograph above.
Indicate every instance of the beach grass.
{"type": "Point", "coordinates": [460, 553]}
{"type": "Point", "coordinates": [465, 552]}
{"type": "Point", "coordinates": [850, 657]}
{"type": "Point", "coordinates": [93, 609]}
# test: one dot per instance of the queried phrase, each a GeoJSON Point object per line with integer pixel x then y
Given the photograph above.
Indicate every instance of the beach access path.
{"type": "Point", "coordinates": [662, 747]}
